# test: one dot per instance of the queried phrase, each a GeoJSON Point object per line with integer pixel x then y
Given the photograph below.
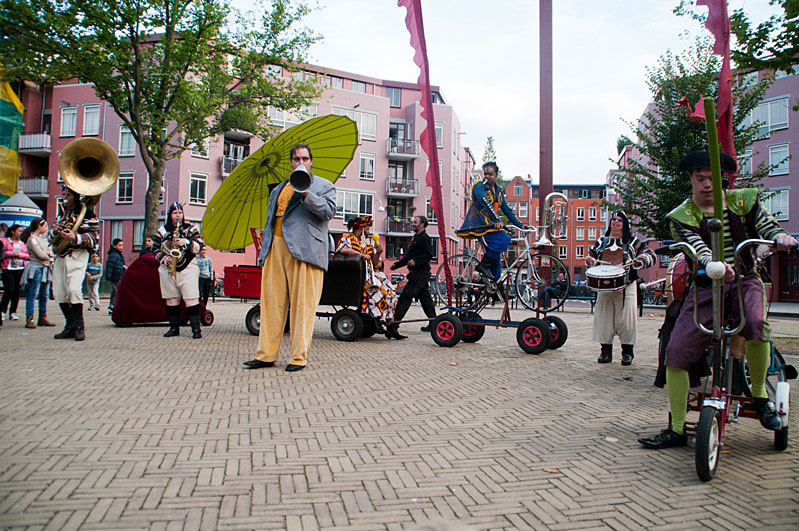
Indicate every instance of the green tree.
{"type": "Point", "coordinates": [650, 185]}
{"type": "Point", "coordinates": [490, 155]}
{"type": "Point", "coordinates": [621, 142]}
{"type": "Point", "coordinates": [170, 69]}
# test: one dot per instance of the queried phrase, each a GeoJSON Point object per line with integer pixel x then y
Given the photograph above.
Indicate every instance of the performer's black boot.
{"type": "Point", "coordinates": [69, 328]}
{"type": "Point", "coordinates": [77, 322]}
{"type": "Point", "coordinates": [392, 332]}
{"type": "Point", "coordinates": [606, 355]}
{"type": "Point", "coordinates": [194, 320]}
{"type": "Point", "coordinates": [484, 267]}
{"type": "Point", "coordinates": [627, 354]}
{"type": "Point", "coordinates": [173, 313]}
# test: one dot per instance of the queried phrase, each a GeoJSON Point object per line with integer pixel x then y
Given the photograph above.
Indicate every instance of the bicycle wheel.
{"type": "Point", "coordinates": [463, 267]}
{"type": "Point", "coordinates": [535, 282]}
{"type": "Point", "coordinates": [708, 443]}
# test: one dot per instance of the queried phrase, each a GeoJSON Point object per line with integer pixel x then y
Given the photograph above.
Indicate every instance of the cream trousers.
{"type": "Point", "coordinates": [615, 316]}
{"type": "Point", "coordinates": [68, 274]}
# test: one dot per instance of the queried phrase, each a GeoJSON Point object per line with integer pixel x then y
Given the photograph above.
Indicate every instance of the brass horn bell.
{"type": "Point", "coordinates": [300, 179]}
{"type": "Point", "coordinates": [89, 166]}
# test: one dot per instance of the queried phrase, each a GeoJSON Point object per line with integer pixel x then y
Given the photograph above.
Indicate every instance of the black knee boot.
{"type": "Point", "coordinates": [194, 320]}
{"type": "Point", "coordinates": [606, 355]}
{"type": "Point", "coordinates": [627, 354]}
{"type": "Point", "coordinates": [69, 327]}
{"type": "Point", "coordinates": [77, 322]}
{"type": "Point", "coordinates": [173, 313]}
{"type": "Point", "coordinates": [484, 267]}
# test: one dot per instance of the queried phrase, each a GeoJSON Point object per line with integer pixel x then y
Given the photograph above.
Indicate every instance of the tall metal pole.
{"type": "Point", "coordinates": [545, 112]}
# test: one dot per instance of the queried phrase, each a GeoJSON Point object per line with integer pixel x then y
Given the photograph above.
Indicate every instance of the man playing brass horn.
{"type": "Point", "coordinates": [175, 245]}
{"type": "Point", "coordinates": [69, 268]}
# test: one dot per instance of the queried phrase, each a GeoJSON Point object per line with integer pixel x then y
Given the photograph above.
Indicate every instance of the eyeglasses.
{"type": "Point", "coordinates": [489, 173]}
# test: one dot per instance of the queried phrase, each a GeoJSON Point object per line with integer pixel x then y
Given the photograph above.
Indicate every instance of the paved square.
{"type": "Point", "coordinates": [132, 430]}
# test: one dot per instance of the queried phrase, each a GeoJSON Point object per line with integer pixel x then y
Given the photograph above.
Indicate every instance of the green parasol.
{"type": "Point", "coordinates": [240, 203]}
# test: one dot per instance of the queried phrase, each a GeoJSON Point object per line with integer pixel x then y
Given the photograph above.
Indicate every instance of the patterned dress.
{"type": "Point", "coordinates": [379, 294]}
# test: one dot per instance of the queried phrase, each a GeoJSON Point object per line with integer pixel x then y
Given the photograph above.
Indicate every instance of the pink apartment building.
{"type": "Point", "coordinates": [386, 178]}
{"type": "Point", "coordinates": [780, 129]}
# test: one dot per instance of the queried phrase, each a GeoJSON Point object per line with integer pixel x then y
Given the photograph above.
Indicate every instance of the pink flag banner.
{"type": "Point", "coordinates": [718, 23]}
{"type": "Point", "coordinates": [415, 25]}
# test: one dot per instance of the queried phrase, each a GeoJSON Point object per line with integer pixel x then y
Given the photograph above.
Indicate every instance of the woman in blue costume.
{"type": "Point", "coordinates": [483, 221]}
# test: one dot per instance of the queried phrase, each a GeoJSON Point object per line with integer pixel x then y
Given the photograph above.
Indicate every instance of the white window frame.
{"type": "Point", "coordinates": [580, 234]}
{"type": "Point", "coordinates": [563, 251]}
{"type": "Point", "coordinates": [592, 234]}
{"type": "Point", "coordinates": [87, 111]}
{"type": "Point", "coordinates": [592, 214]}
{"type": "Point", "coordinates": [579, 252]}
{"type": "Point", "coordinates": [117, 229]}
{"type": "Point", "coordinates": [517, 189]}
{"type": "Point", "coordinates": [764, 114]}
{"type": "Point", "coordinates": [431, 215]}
{"type": "Point", "coordinates": [745, 162]}
{"type": "Point", "coordinates": [366, 122]}
{"type": "Point", "coordinates": [345, 196]}
{"type": "Point", "coordinates": [367, 158]}
{"type": "Point", "coordinates": [200, 151]}
{"type": "Point", "coordinates": [603, 214]}
{"type": "Point", "coordinates": [584, 193]}
{"type": "Point", "coordinates": [125, 176]}
{"type": "Point", "coordinates": [394, 95]}
{"type": "Point", "coordinates": [69, 121]}
{"type": "Point", "coordinates": [580, 214]}
{"type": "Point", "coordinates": [782, 161]}
{"type": "Point", "coordinates": [357, 86]}
{"type": "Point", "coordinates": [198, 177]}
{"type": "Point", "coordinates": [127, 148]}
{"type": "Point", "coordinates": [138, 234]}
{"type": "Point", "coordinates": [778, 204]}
{"type": "Point", "coordinates": [439, 134]}
{"type": "Point", "coordinates": [523, 209]}
{"type": "Point", "coordinates": [512, 206]}
{"type": "Point", "coordinates": [336, 82]}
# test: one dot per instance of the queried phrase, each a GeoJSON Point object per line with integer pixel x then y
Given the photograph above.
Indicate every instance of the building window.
{"type": "Point", "coordinates": [116, 230]}
{"type": "Point", "coordinates": [583, 194]}
{"type": "Point", "coordinates": [580, 214]}
{"type": "Point", "coordinates": [336, 82]}
{"type": "Point", "coordinates": [778, 159]}
{"type": "Point", "coordinates": [579, 251]}
{"type": "Point", "coordinates": [367, 122]}
{"type": "Point", "coordinates": [429, 212]}
{"type": "Point", "coordinates": [769, 116]}
{"type": "Point", "coordinates": [368, 166]}
{"type": "Point", "coordinates": [439, 135]}
{"type": "Point", "coordinates": [274, 70]}
{"type": "Point", "coordinates": [745, 161]}
{"type": "Point", "coordinates": [603, 214]}
{"type": "Point", "coordinates": [523, 209]}
{"type": "Point", "coordinates": [749, 78]}
{"type": "Point", "coordinates": [198, 183]}
{"type": "Point", "coordinates": [777, 204]}
{"type": "Point", "coordinates": [353, 204]}
{"type": "Point", "coordinates": [591, 234]}
{"type": "Point", "coordinates": [580, 233]}
{"type": "Point", "coordinates": [517, 189]}
{"type": "Point", "coordinates": [59, 206]}
{"type": "Point", "coordinates": [394, 96]}
{"type": "Point", "coordinates": [563, 251]}
{"type": "Point", "coordinates": [91, 120]}
{"type": "Point", "coordinates": [127, 146]}
{"type": "Point", "coordinates": [125, 187]}
{"type": "Point", "coordinates": [200, 150]}
{"type": "Point", "coordinates": [359, 86]}
{"type": "Point", "coordinates": [592, 214]}
{"type": "Point", "coordinates": [512, 205]}
{"type": "Point", "coordinates": [69, 116]}
{"type": "Point", "coordinates": [537, 213]}
{"type": "Point", "coordinates": [138, 234]}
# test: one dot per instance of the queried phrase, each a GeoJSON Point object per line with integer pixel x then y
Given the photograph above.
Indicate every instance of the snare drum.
{"type": "Point", "coordinates": [606, 278]}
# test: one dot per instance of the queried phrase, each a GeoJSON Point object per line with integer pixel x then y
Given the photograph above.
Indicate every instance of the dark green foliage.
{"type": "Point", "coordinates": [650, 186]}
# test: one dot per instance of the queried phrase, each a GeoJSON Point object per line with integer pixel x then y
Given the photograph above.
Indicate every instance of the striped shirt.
{"type": "Point", "coordinates": [87, 234]}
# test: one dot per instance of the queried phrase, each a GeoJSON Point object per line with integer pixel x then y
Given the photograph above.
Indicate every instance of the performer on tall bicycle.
{"type": "Point", "coordinates": [744, 218]}
{"type": "Point", "coordinates": [484, 222]}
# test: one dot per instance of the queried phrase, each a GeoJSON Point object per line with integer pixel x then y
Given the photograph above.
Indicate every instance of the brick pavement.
{"type": "Point", "coordinates": [130, 430]}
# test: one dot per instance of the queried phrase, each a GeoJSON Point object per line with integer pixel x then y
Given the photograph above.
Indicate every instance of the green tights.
{"type": "Point", "coordinates": [758, 357]}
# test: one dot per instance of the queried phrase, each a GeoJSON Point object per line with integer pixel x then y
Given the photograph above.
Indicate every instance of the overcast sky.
{"type": "Point", "coordinates": [484, 56]}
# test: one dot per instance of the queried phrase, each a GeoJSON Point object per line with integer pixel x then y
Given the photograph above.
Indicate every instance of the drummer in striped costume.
{"type": "Point", "coordinates": [743, 219]}
{"type": "Point", "coordinates": [615, 310]}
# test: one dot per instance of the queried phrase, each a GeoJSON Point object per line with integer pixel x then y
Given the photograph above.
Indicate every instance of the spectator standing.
{"type": "Point", "coordinates": [114, 268]}
{"type": "Point", "coordinates": [94, 272]}
{"type": "Point", "coordinates": [147, 248]}
{"type": "Point", "coordinates": [38, 272]}
{"type": "Point", "coordinates": [16, 254]}
{"type": "Point", "coordinates": [206, 275]}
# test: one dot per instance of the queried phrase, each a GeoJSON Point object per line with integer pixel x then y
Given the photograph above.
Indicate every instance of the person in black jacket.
{"type": "Point", "coordinates": [114, 267]}
{"type": "Point", "coordinates": [418, 257]}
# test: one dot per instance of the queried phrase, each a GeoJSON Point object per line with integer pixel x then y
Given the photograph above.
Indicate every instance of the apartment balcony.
{"type": "Point", "coordinates": [228, 164]}
{"type": "Point", "coordinates": [402, 188]}
{"type": "Point", "coordinates": [36, 144]}
{"type": "Point", "coordinates": [402, 149]}
{"type": "Point", "coordinates": [34, 187]}
{"type": "Point", "coordinates": [400, 227]}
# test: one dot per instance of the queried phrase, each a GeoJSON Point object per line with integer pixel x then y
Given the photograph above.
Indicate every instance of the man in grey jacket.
{"type": "Point", "coordinates": [294, 255]}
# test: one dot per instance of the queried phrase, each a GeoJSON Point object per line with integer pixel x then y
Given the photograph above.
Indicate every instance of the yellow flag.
{"type": "Point", "coordinates": [10, 128]}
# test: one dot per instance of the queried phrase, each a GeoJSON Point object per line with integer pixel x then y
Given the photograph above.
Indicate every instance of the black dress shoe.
{"type": "Point", "coordinates": [768, 414]}
{"type": "Point", "coordinates": [258, 364]}
{"type": "Point", "coordinates": [66, 333]}
{"type": "Point", "coordinates": [668, 438]}
{"type": "Point", "coordinates": [425, 328]}
{"type": "Point", "coordinates": [294, 368]}
{"type": "Point", "coordinates": [172, 332]}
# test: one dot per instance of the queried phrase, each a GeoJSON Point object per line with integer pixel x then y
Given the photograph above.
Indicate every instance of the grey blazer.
{"type": "Point", "coordinates": [304, 223]}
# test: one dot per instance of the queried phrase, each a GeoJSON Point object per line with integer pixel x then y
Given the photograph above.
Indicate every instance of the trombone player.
{"type": "Point", "coordinates": [175, 245]}
{"type": "Point", "coordinates": [72, 246]}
